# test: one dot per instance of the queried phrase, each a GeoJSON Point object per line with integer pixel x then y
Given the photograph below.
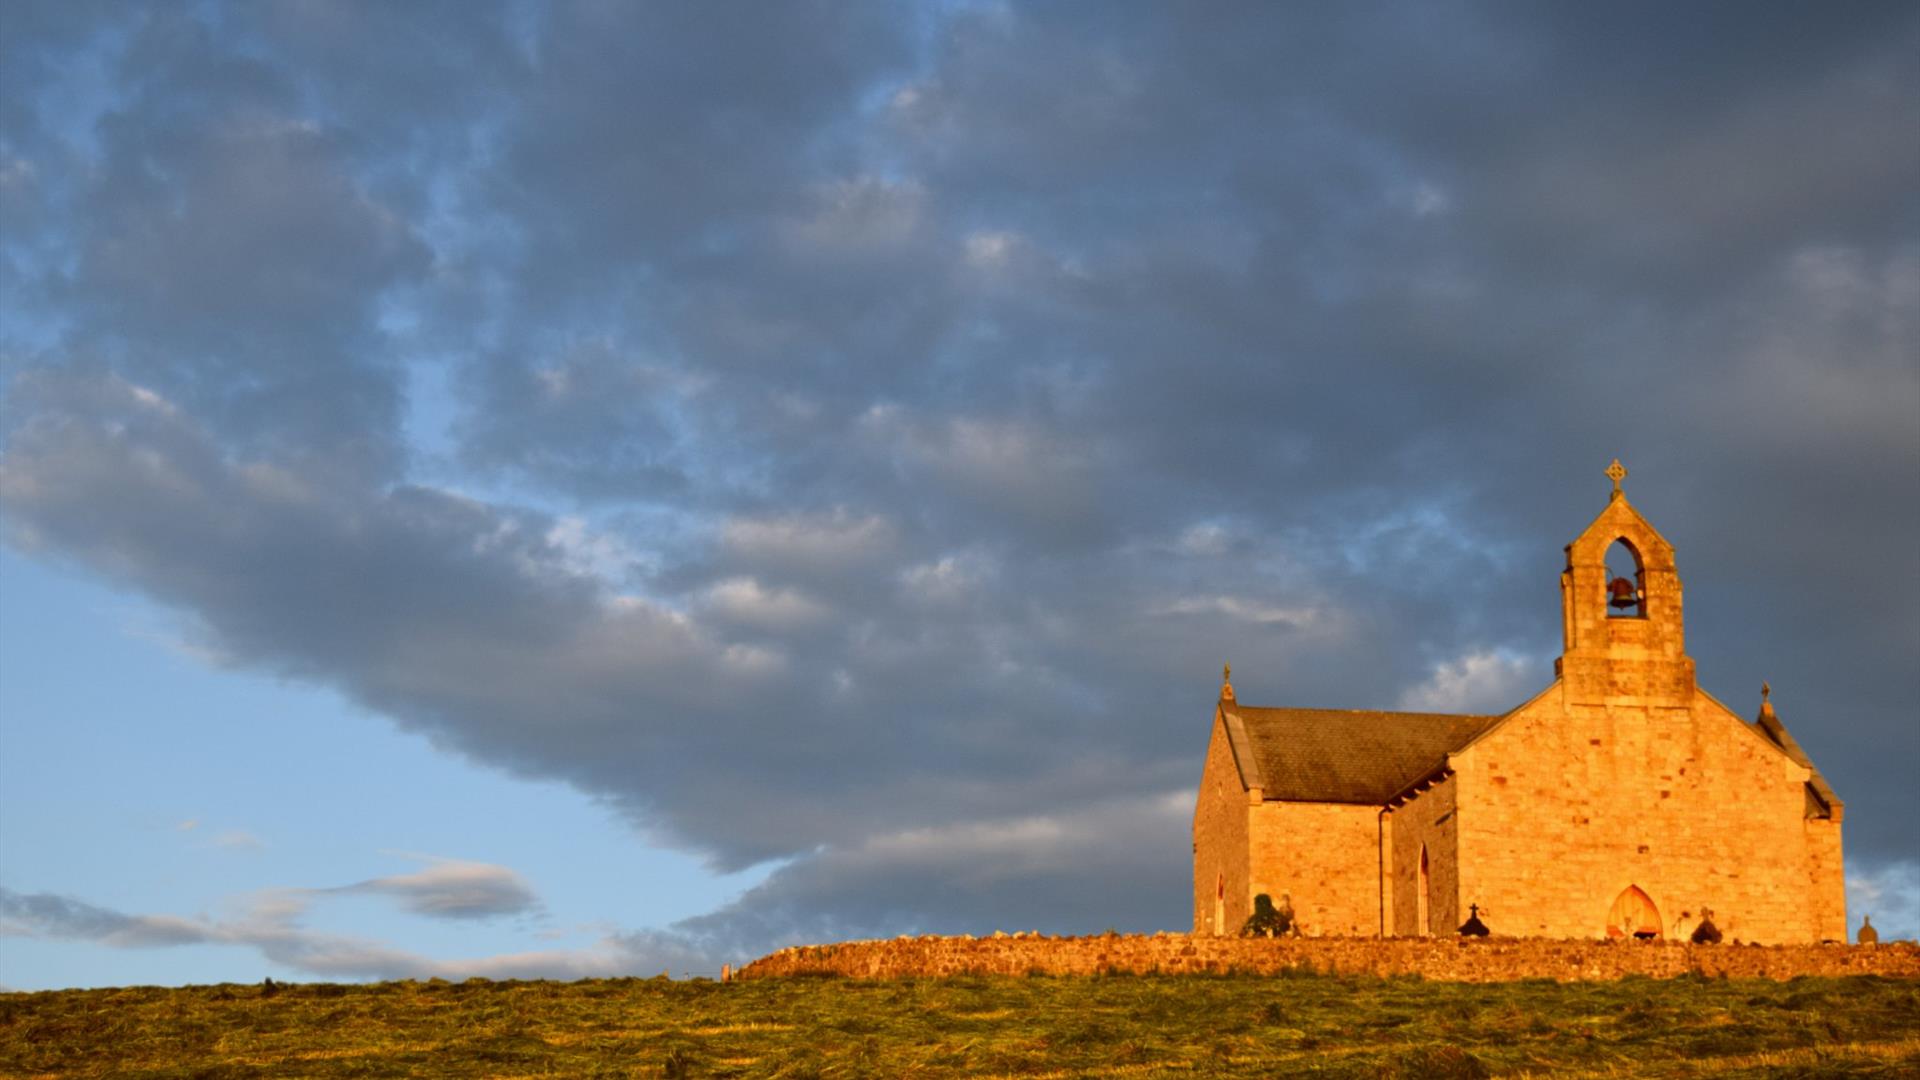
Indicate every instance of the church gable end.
{"type": "Point", "coordinates": [1220, 839]}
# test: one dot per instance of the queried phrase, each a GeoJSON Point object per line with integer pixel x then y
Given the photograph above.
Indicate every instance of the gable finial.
{"type": "Point", "coordinates": [1226, 682]}
{"type": "Point", "coordinates": [1766, 690]}
{"type": "Point", "coordinates": [1616, 472]}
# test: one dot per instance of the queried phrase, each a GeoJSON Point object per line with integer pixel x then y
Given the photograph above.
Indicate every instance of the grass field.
{"type": "Point", "coordinates": [973, 1026]}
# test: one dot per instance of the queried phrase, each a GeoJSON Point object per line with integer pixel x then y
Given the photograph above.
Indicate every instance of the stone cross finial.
{"type": "Point", "coordinates": [1616, 472]}
{"type": "Point", "coordinates": [1766, 690]}
{"type": "Point", "coordinates": [1226, 682]}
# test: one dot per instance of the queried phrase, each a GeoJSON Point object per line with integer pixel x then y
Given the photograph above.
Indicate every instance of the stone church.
{"type": "Point", "coordinates": [1621, 801]}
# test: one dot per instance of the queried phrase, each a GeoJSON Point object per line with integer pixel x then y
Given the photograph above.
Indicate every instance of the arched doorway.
{"type": "Point", "coordinates": [1633, 916]}
{"type": "Point", "coordinates": [1425, 895]}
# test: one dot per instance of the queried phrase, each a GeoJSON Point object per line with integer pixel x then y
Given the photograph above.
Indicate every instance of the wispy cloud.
{"type": "Point", "coordinates": [54, 916]}
{"type": "Point", "coordinates": [239, 840]}
{"type": "Point", "coordinates": [1250, 610]}
{"type": "Point", "coordinates": [271, 928]}
{"type": "Point", "coordinates": [271, 921]}
{"type": "Point", "coordinates": [1480, 681]}
{"type": "Point", "coordinates": [453, 889]}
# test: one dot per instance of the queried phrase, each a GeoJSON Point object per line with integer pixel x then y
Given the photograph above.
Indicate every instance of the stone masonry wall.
{"type": "Point", "coordinates": [1430, 819]}
{"type": "Point", "coordinates": [1441, 958]}
{"type": "Point", "coordinates": [1686, 803]}
{"type": "Point", "coordinates": [1326, 856]}
{"type": "Point", "coordinates": [1220, 840]}
{"type": "Point", "coordinates": [1827, 880]}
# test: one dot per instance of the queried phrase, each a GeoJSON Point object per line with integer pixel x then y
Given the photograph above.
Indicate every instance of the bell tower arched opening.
{"type": "Point", "coordinates": [1626, 581]}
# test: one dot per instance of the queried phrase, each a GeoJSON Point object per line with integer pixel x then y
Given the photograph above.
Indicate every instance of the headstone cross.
{"type": "Point", "coordinates": [1616, 472]}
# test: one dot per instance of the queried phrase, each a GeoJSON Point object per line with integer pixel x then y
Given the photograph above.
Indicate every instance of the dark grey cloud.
{"type": "Point", "coordinates": [1100, 864]}
{"type": "Point", "coordinates": [873, 426]}
{"type": "Point", "coordinates": [206, 229]}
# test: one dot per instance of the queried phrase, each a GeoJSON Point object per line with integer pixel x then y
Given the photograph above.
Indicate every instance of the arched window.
{"type": "Point", "coordinates": [1425, 895]}
{"type": "Point", "coordinates": [1626, 582]}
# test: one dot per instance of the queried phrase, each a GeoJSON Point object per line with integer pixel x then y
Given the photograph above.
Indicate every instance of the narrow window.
{"type": "Point", "coordinates": [1626, 582]}
{"type": "Point", "coordinates": [1219, 904]}
{"type": "Point", "coordinates": [1425, 895]}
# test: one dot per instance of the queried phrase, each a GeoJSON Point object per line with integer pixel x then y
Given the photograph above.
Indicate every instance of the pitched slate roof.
{"type": "Point", "coordinates": [1341, 755]}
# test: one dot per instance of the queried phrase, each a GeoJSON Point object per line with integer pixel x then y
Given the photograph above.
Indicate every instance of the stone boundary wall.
{"type": "Point", "coordinates": [1446, 959]}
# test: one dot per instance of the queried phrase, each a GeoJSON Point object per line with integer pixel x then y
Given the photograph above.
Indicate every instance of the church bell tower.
{"type": "Point", "coordinates": [1625, 637]}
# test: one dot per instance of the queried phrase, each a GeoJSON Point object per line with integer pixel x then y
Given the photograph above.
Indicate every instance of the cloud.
{"type": "Point", "coordinates": [454, 889]}
{"type": "Point", "coordinates": [1245, 610]}
{"type": "Point", "coordinates": [592, 416]}
{"type": "Point", "coordinates": [1095, 866]}
{"type": "Point", "coordinates": [744, 600]}
{"type": "Point", "coordinates": [270, 922]}
{"type": "Point", "coordinates": [861, 217]}
{"type": "Point", "coordinates": [990, 248]}
{"type": "Point", "coordinates": [949, 579]}
{"type": "Point", "coordinates": [1886, 891]}
{"type": "Point", "coordinates": [1489, 681]}
{"type": "Point", "coordinates": [271, 929]}
{"type": "Point", "coordinates": [837, 541]}
{"type": "Point", "coordinates": [49, 915]}
{"type": "Point", "coordinates": [238, 840]}
{"type": "Point", "coordinates": [1021, 476]}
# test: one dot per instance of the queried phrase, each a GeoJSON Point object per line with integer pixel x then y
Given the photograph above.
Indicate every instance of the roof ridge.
{"type": "Point", "coordinates": [1369, 712]}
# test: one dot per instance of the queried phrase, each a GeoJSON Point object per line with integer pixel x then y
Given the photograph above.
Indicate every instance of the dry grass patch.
{"type": "Point", "coordinates": [1360, 1028]}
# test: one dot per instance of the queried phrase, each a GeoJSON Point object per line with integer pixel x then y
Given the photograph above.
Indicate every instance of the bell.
{"type": "Point", "coordinates": [1624, 594]}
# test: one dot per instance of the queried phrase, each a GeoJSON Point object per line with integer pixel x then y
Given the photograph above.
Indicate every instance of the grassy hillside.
{"type": "Point", "coordinates": [971, 1026]}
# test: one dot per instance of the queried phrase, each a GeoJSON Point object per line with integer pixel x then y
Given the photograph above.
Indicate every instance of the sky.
{"type": "Point", "coordinates": [520, 489]}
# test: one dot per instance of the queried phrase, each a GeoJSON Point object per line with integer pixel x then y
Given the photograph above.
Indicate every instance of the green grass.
{"type": "Point", "coordinates": [1323, 1026]}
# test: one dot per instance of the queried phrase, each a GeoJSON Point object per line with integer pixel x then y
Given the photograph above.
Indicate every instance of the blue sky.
{"type": "Point", "coordinates": [172, 785]}
{"type": "Point", "coordinates": [525, 489]}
